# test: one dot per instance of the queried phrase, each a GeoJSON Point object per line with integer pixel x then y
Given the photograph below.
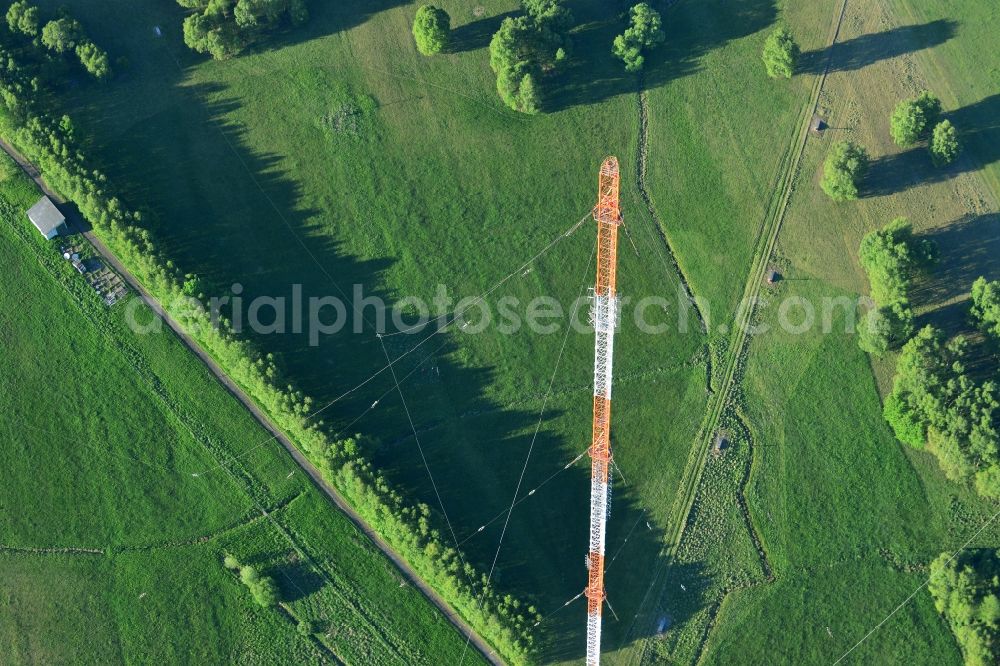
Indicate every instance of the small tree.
{"type": "Point", "coordinates": [263, 588]}
{"type": "Point", "coordinates": [930, 105]}
{"type": "Point", "coordinates": [23, 18]}
{"type": "Point", "coordinates": [780, 54]}
{"type": "Point", "coordinates": [62, 34]}
{"type": "Point", "coordinates": [986, 305]}
{"type": "Point", "coordinates": [431, 29]}
{"type": "Point", "coordinates": [945, 145]}
{"type": "Point", "coordinates": [645, 30]}
{"type": "Point", "coordinates": [884, 328]}
{"type": "Point", "coordinates": [528, 93]}
{"type": "Point", "coordinates": [907, 123]}
{"type": "Point", "coordinates": [843, 170]}
{"type": "Point", "coordinates": [94, 59]}
{"type": "Point", "coordinates": [913, 118]}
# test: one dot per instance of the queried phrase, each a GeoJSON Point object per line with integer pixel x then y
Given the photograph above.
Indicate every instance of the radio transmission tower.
{"type": "Point", "coordinates": [604, 313]}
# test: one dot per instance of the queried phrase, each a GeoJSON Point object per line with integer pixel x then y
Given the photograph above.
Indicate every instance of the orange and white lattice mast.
{"type": "Point", "coordinates": [604, 314]}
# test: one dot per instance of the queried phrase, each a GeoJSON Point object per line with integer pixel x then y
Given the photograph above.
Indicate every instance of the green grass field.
{"type": "Point", "coordinates": [848, 517]}
{"type": "Point", "coordinates": [439, 184]}
{"type": "Point", "coordinates": [110, 547]}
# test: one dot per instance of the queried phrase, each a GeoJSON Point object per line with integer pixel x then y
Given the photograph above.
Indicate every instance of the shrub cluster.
{"type": "Point", "coordinates": [891, 257]}
{"type": "Point", "coordinates": [263, 588]}
{"type": "Point", "coordinates": [50, 144]}
{"type": "Point", "coordinates": [780, 53]}
{"type": "Point", "coordinates": [843, 170]}
{"type": "Point", "coordinates": [223, 28]}
{"type": "Point", "coordinates": [644, 31]}
{"type": "Point", "coordinates": [966, 591]}
{"type": "Point", "coordinates": [986, 306]}
{"type": "Point", "coordinates": [526, 48]}
{"type": "Point", "coordinates": [431, 29]}
{"type": "Point", "coordinates": [61, 35]}
{"type": "Point", "coordinates": [918, 119]}
{"type": "Point", "coordinates": [913, 118]}
{"type": "Point", "coordinates": [935, 402]}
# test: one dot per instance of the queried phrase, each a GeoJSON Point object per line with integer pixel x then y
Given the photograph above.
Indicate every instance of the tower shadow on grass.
{"type": "Point", "coordinates": [853, 54]}
{"type": "Point", "coordinates": [223, 207]}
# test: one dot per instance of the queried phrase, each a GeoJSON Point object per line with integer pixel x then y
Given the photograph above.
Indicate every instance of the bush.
{"type": "Point", "coordinates": [891, 257]}
{"type": "Point", "coordinates": [23, 18]}
{"type": "Point", "coordinates": [966, 591]}
{"type": "Point", "coordinates": [525, 48]}
{"type": "Point", "coordinates": [843, 170]}
{"type": "Point", "coordinates": [933, 393]}
{"type": "Point", "coordinates": [944, 144]}
{"type": "Point", "coordinates": [431, 29]}
{"type": "Point", "coordinates": [912, 119]}
{"type": "Point", "coordinates": [263, 588]}
{"type": "Point", "coordinates": [986, 305]}
{"type": "Point", "coordinates": [94, 60]}
{"type": "Point", "coordinates": [885, 328]}
{"type": "Point", "coordinates": [62, 34]}
{"type": "Point", "coordinates": [223, 28]}
{"type": "Point", "coordinates": [644, 31]}
{"type": "Point", "coordinates": [780, 53]}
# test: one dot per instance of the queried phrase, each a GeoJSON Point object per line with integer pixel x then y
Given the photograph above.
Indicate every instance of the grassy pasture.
{"type": "Point", "coordinates": [848, 517]}
{"type": "Point", "coordinates": [438, 184]}
{"type": "Point", "coordinates": [110, 547]}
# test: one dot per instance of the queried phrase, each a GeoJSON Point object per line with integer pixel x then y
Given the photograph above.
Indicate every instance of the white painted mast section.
{"type": "Point", "coordinates": [604, 317]}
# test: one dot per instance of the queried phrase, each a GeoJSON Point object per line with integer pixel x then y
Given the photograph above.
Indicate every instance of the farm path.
{"type": "Point", "coordinates": [75, 222]}
{"type": "Point", "coordinates": [737, 349]}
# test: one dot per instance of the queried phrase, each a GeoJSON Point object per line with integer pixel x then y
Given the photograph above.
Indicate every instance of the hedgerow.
{"type": "Point", "coordinates": [50, 144]}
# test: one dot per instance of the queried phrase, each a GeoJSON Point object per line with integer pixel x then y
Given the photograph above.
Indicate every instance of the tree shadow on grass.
{"type": "Point", "coordinates": [853, 54]}
{"type": "Point", "coordinates": [969, 249]}
{"type": "Point", "coordinates": [592, 73]}
{"type": "Point", "coordinates": [326, 18]}
{"type": "Point", "coordinates": [477, 34]}
{"type": "Point", "coordinates": [297, 581]}
{"type": "Point", "coordinates": [978, 126]}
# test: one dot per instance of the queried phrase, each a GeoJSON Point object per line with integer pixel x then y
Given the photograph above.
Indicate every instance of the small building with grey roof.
{"type": "Point", "coordinates": [47, 218]}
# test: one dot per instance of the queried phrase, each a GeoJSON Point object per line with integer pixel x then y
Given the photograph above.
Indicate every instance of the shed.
{"type": "Point", "coordinates": [773, 276]}
{"type": "Point", "coordinates": [47, 218]}
{"type": "Point", "coordinates": [721, 442]}
{"type": "Point", "coordinates": [817, 125]}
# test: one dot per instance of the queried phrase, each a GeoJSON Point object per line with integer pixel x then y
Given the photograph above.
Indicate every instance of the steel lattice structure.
{"type": "Point", "coordinates": [604, 315]}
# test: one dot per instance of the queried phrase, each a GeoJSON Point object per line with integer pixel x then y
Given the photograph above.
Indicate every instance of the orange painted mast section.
{"type": "Point", "coordinates": [604, 314]}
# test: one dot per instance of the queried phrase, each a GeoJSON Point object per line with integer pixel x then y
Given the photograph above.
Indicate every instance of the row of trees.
{"type": "Point", "coordinates": [891, 257]}
{"type": "Point", "coordinates": [919, 119]}
{"type": "Point", "coordinates": [936, 404]}
{"type": "Point", "coordinates": [966, 591]}
{"type": "Point", "coordinates": [530, 47]}
{"type": "Point", "coordinates": [50, 144]}
{"type": "Point", "coordinates": [263, 589]}
{"type": "Point", "coordinates": [223, 28]}
{"type": "Point", "coordinates": [61, 36]}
